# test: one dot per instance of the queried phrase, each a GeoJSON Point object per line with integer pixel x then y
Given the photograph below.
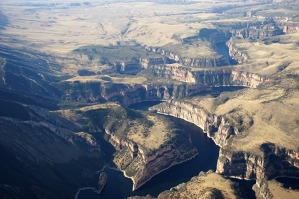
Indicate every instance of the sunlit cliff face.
{"type": "Point", "coordinates": [69, 70]}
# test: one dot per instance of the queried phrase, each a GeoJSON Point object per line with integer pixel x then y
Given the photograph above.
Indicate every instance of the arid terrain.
{"type": "Point", "coordinates": [70, 70]}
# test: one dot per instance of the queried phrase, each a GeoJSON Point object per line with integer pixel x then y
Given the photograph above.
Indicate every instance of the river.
{"type": "Point", "coordinates": [118, 186]}
{"type": "Point", "coordinates": [222, 49]}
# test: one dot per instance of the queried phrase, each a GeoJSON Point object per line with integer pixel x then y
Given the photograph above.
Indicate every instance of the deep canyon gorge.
{"type": "Point", "coordinates": [149, 99]}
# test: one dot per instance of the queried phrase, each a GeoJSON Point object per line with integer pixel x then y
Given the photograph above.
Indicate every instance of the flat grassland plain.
{"type": "Point", "coordinates": [98, 36]}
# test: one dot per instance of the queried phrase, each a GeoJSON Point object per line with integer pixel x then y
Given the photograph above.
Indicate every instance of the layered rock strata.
{"type": "Point", "coordinates": [145, 144]}
{"type": "Point", "coordinates": [140, 165]}
{"type": "Point", "coordinates": [272, 162]}
{"type": "Point", "coordinates": [127, 94]}
{"type": "Point", "coordinates": [220, 77]}
{"type": "Point", "coordinates": [175, 72]}
{"type": "Point", "coordinates": [192, 83]}
{"type": "Point", "coordinates": [235, 53]}
{"type": "Point", "coordinates": [187, 61]}
{"type": "Point", "coordinates": [216, 127]}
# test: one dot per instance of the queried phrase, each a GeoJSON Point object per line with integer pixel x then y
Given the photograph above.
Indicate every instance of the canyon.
{"type": "Point", "coordinates": [69, 72]}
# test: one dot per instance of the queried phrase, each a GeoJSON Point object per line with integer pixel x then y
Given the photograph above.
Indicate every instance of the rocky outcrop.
{"type": "Point", "coordinates": [239, 164]}
{"type": "Point", "coordinates": [127, 94]}
{"type": "Point", "coordinates": [213, 77]}
{"type": "Point", "coordinates": [227, 77]}
{"type": "Point", "coordinates": [146, 62]}
{"type": "Point", "coordinates": [216, 127]}
{"type": "Point", "coordinates": [131, 67]}
{"type": "Point", "coordinates": [145, 143]}
{"type": "Point", "coordinates": [247, 79]}
{"type": "Point", "coordinates": [235, 53]}
{"type": "Point", "coordinates": [223, 77]}
{"type": "Point", "coordinates": [256, 30]}
{"type": "Point", "coordinates": [174, 72]}
{"type": "Point", "coordinates": [202, 62]}
{"type": "Point", "coordinates": [289, 28]}
{"type": "Point", "coordinates": [136, 64]}
{"type": "Point", "coordinates": [154, 92]}
{"type": "Point", "coordinates": [162, 159]}
{"type": "Point", "coordinates": [141, 164]}
{"type": "Point", "coordinates": [274, 161]}
{"type": "Point", "coordinates": [187, 61]}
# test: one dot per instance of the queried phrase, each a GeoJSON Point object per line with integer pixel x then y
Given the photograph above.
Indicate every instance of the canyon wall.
{"type": "Point", "coordinates": [235, 53]}
{"type": "Point", "coordinates": [193, 83]}
{"type": "Point", "coordinates": [220, 77]}
{"type": "Point", "coordinates": [274, 161]}
{"type": "Point", "coordinates": [141, 164]}
{"type": "Point", "coordinates": [174, 72]}
{"type": "Point", "coordinates": [257, 30]}
{"type": "Point", "coordinates": [136, 64]}
{"type": "Point", "coordinates": [192, 62]}
{"type": "Point", "coordinates": [216, 127]}
{"type": "Point", "coordinates": [126, 94]}
{"type": "Point", "coordinates": [289, 27]}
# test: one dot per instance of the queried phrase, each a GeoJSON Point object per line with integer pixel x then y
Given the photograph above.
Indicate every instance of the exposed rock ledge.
{"type": "Point", "coordinates": [193, 83]}
{"type": "Point", "coordinates": [273, 162]}
{"type": "Point", "coordinates": [216, 127]}
{"type": "Point", "coordinates": [145, 143]}
{"type": "Point", "coordinates": [140, 165]}
{"type": "Point", "coordinates": [187, 61]}
{"type": "Point", "coordinates": [220, 77]}
{"type": "Point", "coordinates": [235, 53]}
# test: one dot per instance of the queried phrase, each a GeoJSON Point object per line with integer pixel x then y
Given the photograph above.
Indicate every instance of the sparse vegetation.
{"type": "Point", "coordinates": [71, 57]}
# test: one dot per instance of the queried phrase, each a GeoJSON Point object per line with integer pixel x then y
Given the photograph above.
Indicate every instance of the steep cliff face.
{"type": "Point", "coordinates": [145, 143]}
{"type": "Point", "coordinates": [153, 92]}
{"type": "Point", "coordinates": [257, 30]}
{"type": "Point", "coordinates": [173, 72]}
{"type": "Point", "coordinates": [236, 54]}
{"type": "Point", "coordinates": [227, 77]}
{"type": "Point", "coordinates": [146, 62]}
{"type": "Point", "coordinates": [144, 166]}
{"type": "Point", "coordinates": [193, 82]}
{"type": "Point", "coordinates": [140, 163]}
{"type": "Point", "coordinates": [216, 127]}
{"type": "Point", "coordinates": [223, 77]}
{"type": "Point", "coordinates": [213, 77]}
{"type": "Point", "coordinates": [136, 64]}
{"type": "Point", "coordinates": [289, 28]}
{"type": "Point", "coordinates": [273, 161]}
{"type": "Point", "coordinates": [192, 62]}
{"type": "Point", "coordinates": [202, 62]}
{"type": "Point", "coordinates": [239, 164]}
{"type": "Point", "coordinates": [125, 93]}
{"type": "Point", "coordinates": [247, 79]}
